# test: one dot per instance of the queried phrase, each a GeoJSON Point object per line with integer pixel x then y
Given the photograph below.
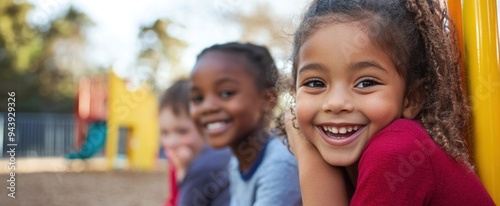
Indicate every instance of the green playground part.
{"type": "Point", "coordinates": [96, 138]}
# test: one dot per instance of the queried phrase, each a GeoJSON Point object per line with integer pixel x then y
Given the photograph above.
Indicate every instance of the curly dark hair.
{"type": "Point", "coordinates": [416, 35]}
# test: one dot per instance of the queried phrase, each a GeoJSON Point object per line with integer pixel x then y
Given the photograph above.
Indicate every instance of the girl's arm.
{"type": "Point", "coordinates": [320, 183]}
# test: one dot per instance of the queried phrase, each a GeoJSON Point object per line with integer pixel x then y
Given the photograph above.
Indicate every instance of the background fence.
{"type": "Point", "coordinates": [39, 135]}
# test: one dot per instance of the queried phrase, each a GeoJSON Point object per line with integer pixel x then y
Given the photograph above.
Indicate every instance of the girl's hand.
{"type": "Point", "coordinates": [181, 157]}
{"type": "Point", "coordinates": [185, 156]}
{"type": "Point", "coordinates": [320, 182]}
{"type": "Point", "coordinates": [298, 143]}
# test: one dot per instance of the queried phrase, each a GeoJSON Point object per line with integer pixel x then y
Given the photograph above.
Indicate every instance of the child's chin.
{"type": "Point", "coordinates": [335, 160]}
{"type": "Point", "coordinates": [217, 144]}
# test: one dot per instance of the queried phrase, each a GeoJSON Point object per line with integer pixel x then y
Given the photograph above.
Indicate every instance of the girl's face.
{"type": "Point", "coordinates": [179, 136]}
{"type": "Point", "coordinates": [225, 103]}
{"type": "Point", "coordinates": [347, 89]}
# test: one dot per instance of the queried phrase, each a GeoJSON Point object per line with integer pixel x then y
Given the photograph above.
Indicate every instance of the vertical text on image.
{"type": "Point", "coordinates": [11, 145]}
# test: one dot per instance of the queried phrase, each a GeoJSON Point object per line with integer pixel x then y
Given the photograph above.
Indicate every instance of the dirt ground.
{"type": "Point", "coordinates": [86, 188]}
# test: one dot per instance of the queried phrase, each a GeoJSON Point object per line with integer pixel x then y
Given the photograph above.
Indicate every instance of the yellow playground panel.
{"type": "Point", "coordinates": [482, 62]}
{"type": "Point", "coordinates": [136, 111]}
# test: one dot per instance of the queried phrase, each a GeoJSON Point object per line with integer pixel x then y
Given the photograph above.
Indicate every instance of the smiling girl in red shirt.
{"type": "Point", "coordinates": [378, 93]}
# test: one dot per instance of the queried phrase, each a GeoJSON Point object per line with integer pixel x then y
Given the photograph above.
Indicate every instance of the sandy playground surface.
{"type": "Point", "coordinates": [86, 188]}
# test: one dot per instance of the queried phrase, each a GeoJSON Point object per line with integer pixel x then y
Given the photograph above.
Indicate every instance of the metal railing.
{"type": "Point", "coordinates": [39, 135]}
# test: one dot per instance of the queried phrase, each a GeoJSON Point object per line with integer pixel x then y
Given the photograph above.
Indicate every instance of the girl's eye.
{"type": "Point", "coordinates": [196, 99]}
{"type": "Point", "coordinates": [226, 93]}
{"type": "Point", "coordinates": [366, 83]}
{"type": "Point", "coordinates": [314, 84]}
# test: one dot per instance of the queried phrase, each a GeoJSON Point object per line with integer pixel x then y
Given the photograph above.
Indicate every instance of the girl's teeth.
{"type": "Point", "coordinates": [342, 130]}
{"type": "Point", "coordinates": [215, 125]}
{"type": "Point", "coordinates": [334, 130]}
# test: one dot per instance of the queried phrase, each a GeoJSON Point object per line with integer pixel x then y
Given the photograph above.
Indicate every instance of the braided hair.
{"type": "Point", "coordinates": [261, 62]}
{"type": "Point", "coordinates": [416, 36]}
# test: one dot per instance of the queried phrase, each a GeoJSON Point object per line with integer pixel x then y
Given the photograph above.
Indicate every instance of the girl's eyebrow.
{"type": "Point", "coordinates": [311, 67]}
{"type": "Point", "coordinates": [225, 80]}
{"type": "Point", "coordinates": [218, 82]}
{"type": "Point", "coordinates": [356, 66]}
{"type": "Point", "coordinates": [366, 64]}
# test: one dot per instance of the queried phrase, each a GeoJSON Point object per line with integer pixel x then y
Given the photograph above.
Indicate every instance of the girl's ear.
{"type": "Point", "coordinates": [414, 103]}
{"type": "Point", "coordinates": [412, 107]}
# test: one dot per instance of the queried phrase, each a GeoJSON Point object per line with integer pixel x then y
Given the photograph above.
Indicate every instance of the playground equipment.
{"type": "Point", "coordinates": [482, 62]}
{"type": "Point", "coordinates": [476, 24]}
{"type": "Point", "coordinates": [90, 110]}
{"type": "Point", "coordinates": [94, 142]}
{"type": "Point", "coordinates": [137, 112]}
{"type": "Point", "coordinates": [106, 106]}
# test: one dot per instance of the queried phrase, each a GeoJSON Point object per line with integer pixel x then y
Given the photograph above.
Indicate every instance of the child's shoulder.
{"type": "Point", "coordinates": [276, 158]}
{"type": "Point", "coordinates": [396, 159]}
{"type": "Point", "coordinates": [402, 136]}
{"type": "Point", "coordinates": [271, 163]}
{"type": "Point", "coordinates": [211, 160]}
{"type": "Point", "coordinates": [401, 157]}
{"type": "Point", "coordinates": [277, 151]}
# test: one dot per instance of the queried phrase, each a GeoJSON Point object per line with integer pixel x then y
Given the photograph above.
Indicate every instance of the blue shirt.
{"type": "Point", "coordinates": [273, 178]}
{"type": "Point", "coordinates": [207, 179]}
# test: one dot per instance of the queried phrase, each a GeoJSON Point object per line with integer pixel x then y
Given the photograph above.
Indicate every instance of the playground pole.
{"type": "Point", "coordinates": [482, 61]}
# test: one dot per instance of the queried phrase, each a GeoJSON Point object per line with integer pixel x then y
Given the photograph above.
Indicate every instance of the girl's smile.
{"type": "Point", "coordinates": [347, 89]}
{"type": "Point", "coordinates": [225, 102]}
{"type": "Point", "coordinates": [216, 127]}
{"type": "Point", "coordinates": [380, 105]}
{"type": "Point", "coordinates": [340, 134]}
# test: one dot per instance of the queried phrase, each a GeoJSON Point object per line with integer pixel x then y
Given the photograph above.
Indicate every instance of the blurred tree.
{"type": "Point", "coordinates": [39, 64]}
{"type": "Point", "coordinates": [262, 26]}
{"type": "Point", "coordinates": [160, 52]}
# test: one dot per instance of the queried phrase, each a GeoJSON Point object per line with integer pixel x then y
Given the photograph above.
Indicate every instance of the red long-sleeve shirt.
{"type": "Point", "coordinates": [402, 165]}
{"type": "Point", "coordinates": [172, 187]}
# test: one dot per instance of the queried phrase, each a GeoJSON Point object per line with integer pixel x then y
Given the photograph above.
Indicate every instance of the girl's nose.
{"type": "Point", "coordinates": [210, 105]}
{"type": "Point", "coordinates": [338, 100]}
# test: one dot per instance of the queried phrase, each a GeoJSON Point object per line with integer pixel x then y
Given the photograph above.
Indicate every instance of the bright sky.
{"type": "Point", "coordinates": [113, 39]}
